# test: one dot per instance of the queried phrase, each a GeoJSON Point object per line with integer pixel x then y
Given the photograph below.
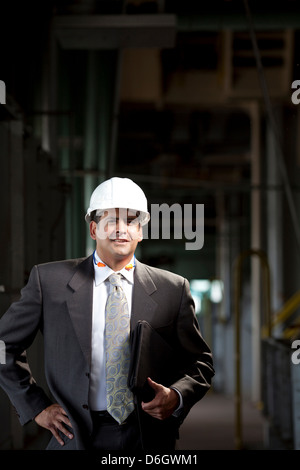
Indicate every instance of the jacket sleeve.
{"type": "Point", "coordinates": [198, 370]}
{"type": "Point", "coordinates": [18, 328]}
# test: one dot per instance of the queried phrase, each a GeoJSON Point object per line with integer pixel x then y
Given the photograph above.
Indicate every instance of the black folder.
{"type": "Point", "coordinates": [151, 356]}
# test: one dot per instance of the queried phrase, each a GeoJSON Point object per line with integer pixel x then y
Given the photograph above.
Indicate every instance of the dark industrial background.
{"type": "Point", "coordinates": [194, 101]}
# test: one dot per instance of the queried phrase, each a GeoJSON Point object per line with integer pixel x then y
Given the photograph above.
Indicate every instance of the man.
{"type": "Point", "coordinates": [71, 303]}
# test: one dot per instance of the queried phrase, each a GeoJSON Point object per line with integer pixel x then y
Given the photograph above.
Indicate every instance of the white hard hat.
{"type": "Point", "coordinates": [120, 193]}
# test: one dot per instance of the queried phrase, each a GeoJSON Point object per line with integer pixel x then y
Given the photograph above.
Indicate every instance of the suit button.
{"type": "Point", "coordinates": [85, 407]}
{"type": "Point", "coordinates": [87, 374]}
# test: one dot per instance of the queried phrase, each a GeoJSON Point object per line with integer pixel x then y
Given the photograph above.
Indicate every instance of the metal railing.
{"type": "Point", "coordinates": [285, 313]}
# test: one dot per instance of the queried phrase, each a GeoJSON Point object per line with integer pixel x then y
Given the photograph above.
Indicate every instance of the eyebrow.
{"type": "Point", "coordinates": [129, 217]}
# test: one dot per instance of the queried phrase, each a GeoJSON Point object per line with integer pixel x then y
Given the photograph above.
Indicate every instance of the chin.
{"type": "Point", "coordinates": [121, 250]}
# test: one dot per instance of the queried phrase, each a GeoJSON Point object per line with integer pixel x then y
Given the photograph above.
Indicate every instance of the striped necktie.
{"type": "Point", "coordinates": [117, 351]}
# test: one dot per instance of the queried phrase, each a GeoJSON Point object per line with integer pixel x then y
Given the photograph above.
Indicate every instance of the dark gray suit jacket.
{"type": "Point", "coordinates": [58, 300]}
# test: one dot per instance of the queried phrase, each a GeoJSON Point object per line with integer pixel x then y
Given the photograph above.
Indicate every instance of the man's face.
{"type": "Point", "coordinates": [117, 234]}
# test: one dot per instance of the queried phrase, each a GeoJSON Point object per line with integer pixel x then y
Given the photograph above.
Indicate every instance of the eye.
{"type": "Point", "coordinates": [111, 220]}
{"type": "Point", "coordinates": [134, 221]}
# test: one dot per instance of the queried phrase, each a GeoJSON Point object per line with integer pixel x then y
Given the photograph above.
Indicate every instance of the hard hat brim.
{"type": "Point", "coordinates": [144, 217]}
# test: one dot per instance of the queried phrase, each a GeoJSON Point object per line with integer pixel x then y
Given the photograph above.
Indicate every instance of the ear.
{"type": "Point", "coordinates": [140, 233]}
{"type": "Point", "coordinates": [93, 227]}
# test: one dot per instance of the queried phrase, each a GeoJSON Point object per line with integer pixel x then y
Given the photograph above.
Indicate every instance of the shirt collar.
{"type": "Point", "coordinates": [102, 273]}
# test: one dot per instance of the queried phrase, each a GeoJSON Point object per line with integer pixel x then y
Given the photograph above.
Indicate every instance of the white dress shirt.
{"type": "Point", "coordinates": [102, 286]}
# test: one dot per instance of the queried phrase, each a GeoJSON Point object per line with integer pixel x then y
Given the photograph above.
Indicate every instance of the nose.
{"type": "Point", "coordinates": [121, 226]}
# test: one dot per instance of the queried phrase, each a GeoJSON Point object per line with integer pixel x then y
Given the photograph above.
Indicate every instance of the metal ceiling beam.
{"type": "Point", "coordinates": [115, 31]}
{"type": "Point", "coordinates": [237, 21]}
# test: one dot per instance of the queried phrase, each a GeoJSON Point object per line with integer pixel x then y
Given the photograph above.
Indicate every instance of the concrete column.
{"type": "Point", "coordinates": [16, 246]}
{"type": "Point", "coordinates": [256, 291]}
{"type": "Point", "coordinates": [98, 123]}
{"type": "Point", "coordinates": [274, 221]}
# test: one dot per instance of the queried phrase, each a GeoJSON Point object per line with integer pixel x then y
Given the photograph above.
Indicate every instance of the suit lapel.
{"type": "Point", "coordinates": [143, 306]}
{"type": "Point", "coordinates": [80, 304]}
{"type": "Point", "coordinates": [80, 301]}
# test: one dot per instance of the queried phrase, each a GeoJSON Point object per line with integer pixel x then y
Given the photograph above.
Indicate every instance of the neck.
{"type": "Point", "coordinates": [115, 264]}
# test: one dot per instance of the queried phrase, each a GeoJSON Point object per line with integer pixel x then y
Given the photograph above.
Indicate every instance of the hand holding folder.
{"type": "Point", "coordinates": [151, 356]}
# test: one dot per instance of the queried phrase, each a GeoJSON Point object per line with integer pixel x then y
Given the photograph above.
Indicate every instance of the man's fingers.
{"type": "Point", "coordinates": [56, 435]}
{"type": "Point", "coordinates": [64, 418]}
{"type": "Point", "coordinates": [53, 418]}
{"type": "Point", "coordinates": [58, 424]}
{"type": "Point", "coordinates": [63, 429]}
{"type": "Point", "coordinates": [163, 404]}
